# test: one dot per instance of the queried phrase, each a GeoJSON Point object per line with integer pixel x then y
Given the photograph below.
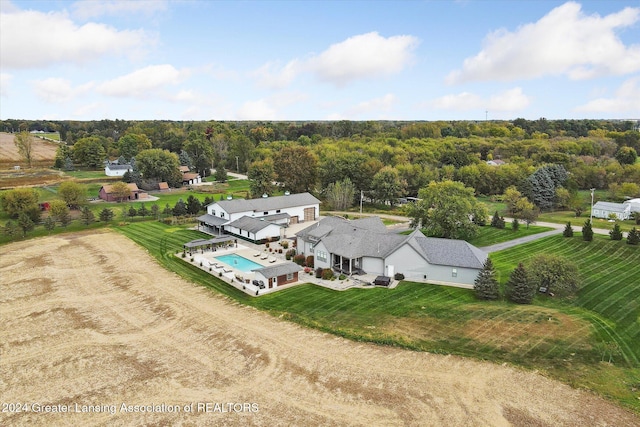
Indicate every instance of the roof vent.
{"type": "Point", "coordinates": [229, 197]}
{"type": "Point", "coordinates": [286, 193]}
{"type": "Point", "coordinates": [265, 195]}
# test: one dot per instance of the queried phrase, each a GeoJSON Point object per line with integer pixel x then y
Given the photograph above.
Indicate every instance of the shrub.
{"type": "Point", "coordinates": [399, 276]}
{"type": "Point", "coordinates": [616, 233]}
{"type": "Point", "coordinates": [290, 254]}
{"type": "Point", "coordinates": [587, 231]}
{"type": "Point", "coordinates": [309, 261]}
{"type": "Point", "coordinates": [342, 277]}
{"type": "Point", "coordinates": [327, 274]}
{"type": "Point", "coordinates": [307, 270]}
{"type": "Point", "coordinates": [284, 244]}
{"type": "Point", "coordinates": [568, 231]}
{"type": "Point", "coordinates": [266, 244]}
{"type": "Point", "coordinates": [279, 251]}
{"type": "Point", "coordinates": [318, 272]}
{"type": "Point", "coordinates": [184, 255]}
{"type": "Point", "coordinates": [200, 263]}
{"type": "Point", "coordinates": [299, 259]}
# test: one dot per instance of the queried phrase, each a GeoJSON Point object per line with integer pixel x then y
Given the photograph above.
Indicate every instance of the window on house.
{"type": "Point", "coordinates": [454, 272]}
{"type": "Point", "coordinates": [289, 276]}
{"type": "Point", "coordinates": [322, 256]}
{"type": "Point", "coordinates": [221, 214]}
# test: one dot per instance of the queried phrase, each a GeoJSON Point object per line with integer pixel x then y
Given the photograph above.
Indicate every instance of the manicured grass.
{"type": "Point", "coordinates": [91, 174]}
{"type": "Point", "coordinates": [610, 271]}
{"type": "Point", "coordinates": [567, 339]}
{"type": "Point", "coordinates": [490, 235]}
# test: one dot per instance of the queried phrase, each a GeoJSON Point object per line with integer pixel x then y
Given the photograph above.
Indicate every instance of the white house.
{"type": "Point", "coordinates": [604, 209]}
{"type": "Point", "coordinates": [365, 246]}
{"type": "Point", "coordinates": [114, 169]}
{"type": "Point", "coordinates": [634, 204]}
{"type": "Point", "coordinates": [262, 218]}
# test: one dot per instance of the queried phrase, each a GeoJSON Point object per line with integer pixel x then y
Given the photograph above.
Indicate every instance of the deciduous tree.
{"type": "Point", "coordinates": [25, 223]}
{"type": "Point", "coordinates": [387, 186]}
{"type": "Point", "coordinates": [296, 168]}
{"type": "Point", "coordinates": [24, 142]}
{"type": "Point", "coordinates": [89, 151]}
{"type": "Point", "coordinates": [554, 273]}
{"type": "Point", "coordinates": [340, 195]}
{"type": "Point", "coordinates": [73, 194]}
{"type": "Point", "coordinates": [20, 200]}
{"type": "Point", "coordinates": [120, 191]}
{"type": "Point", "coordinates": [446, 210]}
{"type": "Point", "coordinates": [261, 175]}
{"type": "Point", "coordinates": [160, 165]}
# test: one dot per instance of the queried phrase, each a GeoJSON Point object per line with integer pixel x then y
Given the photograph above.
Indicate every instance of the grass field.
{"type": "Point", "coordinates": [567, 339]}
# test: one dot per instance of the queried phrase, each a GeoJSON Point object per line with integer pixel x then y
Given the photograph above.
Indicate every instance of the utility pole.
{"type": "Point", "coordinates": [237, 167]}
{"type": "Point", "coordinates": [591, 212]}
{"type": "Point", "coordinates": [361, 196]}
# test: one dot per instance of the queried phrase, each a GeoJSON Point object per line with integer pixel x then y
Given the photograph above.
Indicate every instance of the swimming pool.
{"type": "Point", "coordinates": [238, 262]}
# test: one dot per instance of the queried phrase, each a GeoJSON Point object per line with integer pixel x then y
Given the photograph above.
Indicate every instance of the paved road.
{"type": "Point", "coordinates": [520, 240]}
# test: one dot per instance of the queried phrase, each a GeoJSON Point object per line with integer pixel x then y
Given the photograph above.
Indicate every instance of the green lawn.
{"type": "Point", "coordinates": [490, 235]}
{"type": "Point", "coordinates": [567, 339]}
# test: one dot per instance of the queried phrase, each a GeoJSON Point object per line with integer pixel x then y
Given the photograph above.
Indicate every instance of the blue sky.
{"type": "Point", "coordinates": [325, 60]}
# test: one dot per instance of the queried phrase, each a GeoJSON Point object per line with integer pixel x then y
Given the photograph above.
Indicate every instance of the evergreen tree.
{"type": "Point", "coordinates": [568, 231]}
{"type": "Point", "coordinates": [633, 238]}
{"type": "Point", "coordinates": [518, 289]}
{"type": "Point", "coordinates": [587, 231]}
{"type": "Point", "coordinates": [143, 211]}
{"type": "Point", "coordinates": [106, 215]}
{"type": "Point", "coordinates": [515, 224]}
{"type": "Point", "coordinates": [180, 209]}
{"type": "Point", "coordinates": [68, 164]}
{"type": "Point", "coordinates": [185, 159]}
{"type": "Point", "coordinates": [49, 223]}
{"type": "Point", "coordinates": [616, 233]}
{"type": "Point", "coordinates": [87, 215]}
{"type": "Point", "coordinates": [132, 211]}
{"type": "Point", "coordinates": [65, 218]}
{"type": "Point", "coordinates": [155, 211]}
{"type": "Point", "coordinates": [167, 210]}
{"type": "Point", "coordinates": [497, 221]}
{"type": "Point", "coordinates": [486, 285]}
{"type": "Point", "coordinates": [193, 205]}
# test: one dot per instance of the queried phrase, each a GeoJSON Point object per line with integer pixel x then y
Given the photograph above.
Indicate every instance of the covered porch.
{"type": "Point", "coordinates": [348, 266]}
{"type": "Point", "coordinates": [213, 245]}
{"type": "Point", "coordinates": [211, 224]}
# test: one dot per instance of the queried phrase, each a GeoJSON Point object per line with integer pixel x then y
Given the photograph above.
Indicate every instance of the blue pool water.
{"type": "Point", "coordinates": [238, 262]}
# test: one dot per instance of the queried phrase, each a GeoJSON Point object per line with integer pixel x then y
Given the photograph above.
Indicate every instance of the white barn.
{"type": "Point", "coordinates": [365, 246]}
{"type": "Point", "coordinates": [262, 218]}
{"type": "Point", "coordinates": [634, 204]}
{"type": "Point", "coordinates": [622, 211]}
{"type": "Point", "coordinates": [116, 169]}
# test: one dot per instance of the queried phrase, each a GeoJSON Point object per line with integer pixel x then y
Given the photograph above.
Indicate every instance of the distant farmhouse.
{"type": "Point", "coordinates": [622, 211]}
{"type": "Point", "coordinates": [365, 246]}
{"type": "Point", "coordinates": [106, 193]}
{"type": "Point", "coordinates": [258, 220]}
{"type": "Point", "coordinates": [115, 169]}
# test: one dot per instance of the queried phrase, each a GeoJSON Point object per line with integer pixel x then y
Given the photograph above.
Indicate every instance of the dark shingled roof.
{"type": "Point", "coordinates": [252, 225]}
{"type": "Point", "coordinates": [369, 237]}
{"type": "Point", "coordinates": [212, 220]}
{"type": "Point", "coordinates": [264, 204]}
{"type": "Point", "coordinates": [279, 269]}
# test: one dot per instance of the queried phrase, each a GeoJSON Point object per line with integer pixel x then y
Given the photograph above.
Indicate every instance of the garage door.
{"type": "Point", "coordinates": [309, 214]}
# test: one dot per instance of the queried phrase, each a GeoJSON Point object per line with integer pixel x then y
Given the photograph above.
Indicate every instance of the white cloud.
{"type": "Point", "coordinates": [358, 57]}
{"type": "Point", "coordinates": [95, 8]}
{"type": "Point", "coordinates": [509, 100]}
{"type": "Point", "coordinates": [5, 81]}
{"type": "Point", "coordinates": [57, 90]}
{"type": "Point", "coordinates": [363, 56]}
{"type": "Point", "coordinates": [256, 110]}
{"type": "Point", "coordinates": [373, 107]}
{"type": "Point", "coordinates": [34, 39]}
{"type": "Point", "coordinates": [564, 42]}
{"type": "Point", "coordinates": [626, 100]}
{"type": "Point", "coordinates": [143, 83]}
